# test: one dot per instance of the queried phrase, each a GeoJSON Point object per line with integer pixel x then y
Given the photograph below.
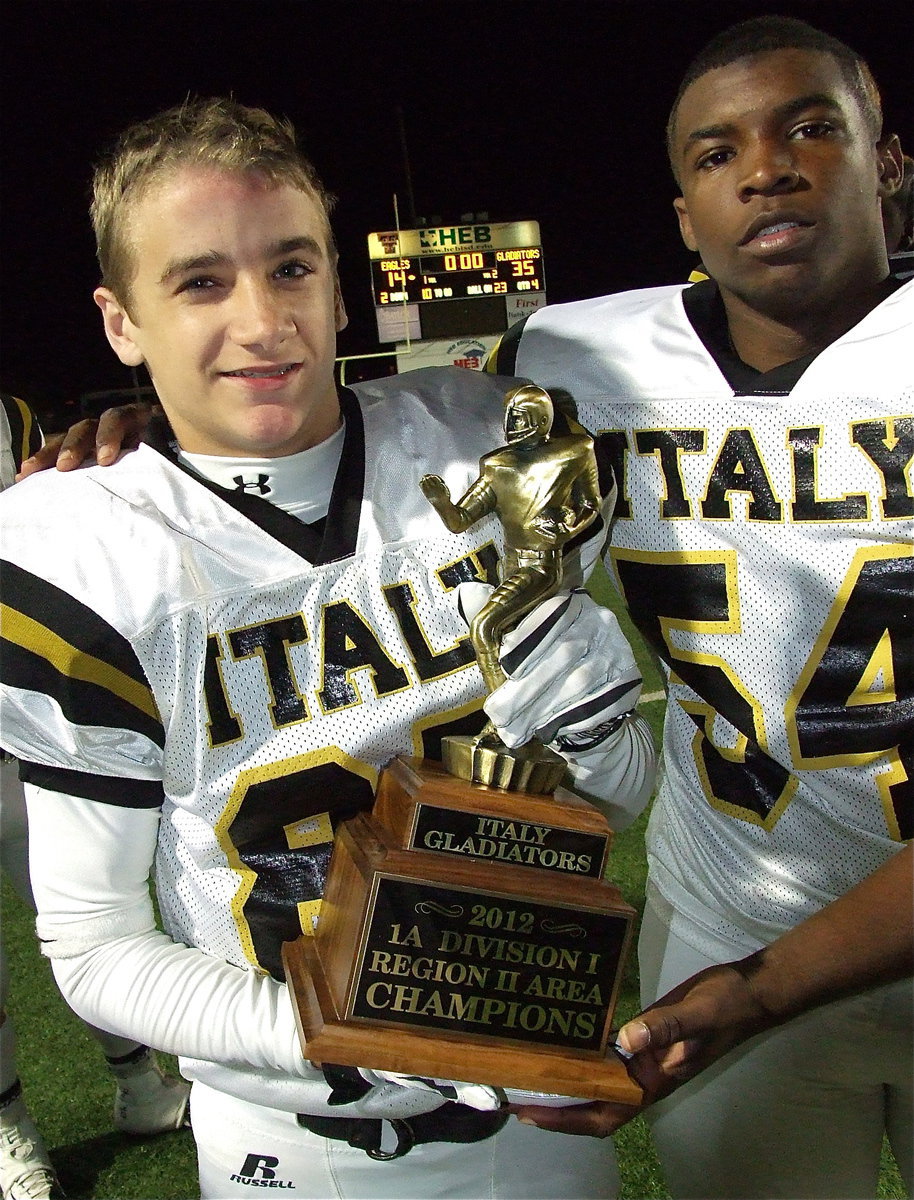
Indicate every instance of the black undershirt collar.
{"type": "Point", "coordinates": [334, 537]}
{"type": "Point", "coordinates": [705, 310]}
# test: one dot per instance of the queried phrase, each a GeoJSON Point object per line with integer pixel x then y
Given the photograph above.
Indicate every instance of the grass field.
{"type": "Point", "coordinates": [70, 1093]}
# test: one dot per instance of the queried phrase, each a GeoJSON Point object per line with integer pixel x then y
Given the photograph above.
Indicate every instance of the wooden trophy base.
{"type": "Point", "coordinates": [460, 938]}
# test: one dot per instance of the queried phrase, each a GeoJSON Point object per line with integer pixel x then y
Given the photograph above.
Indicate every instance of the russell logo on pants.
{"type": "Point", "coordinates": [259, 1170]}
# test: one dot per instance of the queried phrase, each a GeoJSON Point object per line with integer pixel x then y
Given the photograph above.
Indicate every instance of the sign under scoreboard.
{"type": "Point", "coordinates": [455, 281]}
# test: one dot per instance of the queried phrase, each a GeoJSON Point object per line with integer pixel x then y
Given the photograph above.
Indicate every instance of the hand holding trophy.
{"type": "Point", "coordinates": [466, 929]}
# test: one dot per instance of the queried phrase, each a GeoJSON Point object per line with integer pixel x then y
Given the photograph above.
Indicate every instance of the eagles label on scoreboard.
{"type": "Point", "coordinates": [456, 280]}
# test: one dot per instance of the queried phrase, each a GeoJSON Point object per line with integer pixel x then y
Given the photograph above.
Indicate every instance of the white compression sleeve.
{"type": "Point", "coordinates": [619, 774]}
{"type": "Point", "coordinates": [233, 1029]}
{"type": "Point", "coordinates": [90, 865]}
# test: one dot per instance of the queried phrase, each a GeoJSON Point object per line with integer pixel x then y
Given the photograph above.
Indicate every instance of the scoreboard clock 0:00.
{"type": "Point", "coordinates": [457, 275]}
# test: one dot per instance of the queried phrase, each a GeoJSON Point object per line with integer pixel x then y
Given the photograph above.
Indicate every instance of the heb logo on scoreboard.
{"type": "Point", "coordinates": [455, 235]}
{"type": "Point", "coordinates": [446, 238]}
{"type": "Point", "coordinates": [442, 239]}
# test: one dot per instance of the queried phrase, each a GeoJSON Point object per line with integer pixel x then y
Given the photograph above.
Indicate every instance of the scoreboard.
{"type": "Point", "coordinates": [457, 276]}
{"type": "Point", "coordinates": [455, 280]}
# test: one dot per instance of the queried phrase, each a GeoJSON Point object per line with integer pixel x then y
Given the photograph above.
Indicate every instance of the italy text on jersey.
{"type": "Point", "coordinates": [764, 545]}
{"type": "Point", "coordinates": [265, 711]}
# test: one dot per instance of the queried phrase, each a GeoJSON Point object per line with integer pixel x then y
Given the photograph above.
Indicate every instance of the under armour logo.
{"type": "Point", "coordinates": [260, 484]}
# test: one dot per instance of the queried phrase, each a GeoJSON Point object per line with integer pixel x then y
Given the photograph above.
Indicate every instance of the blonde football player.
{"type": "Point", "coordinates": [213, 646]}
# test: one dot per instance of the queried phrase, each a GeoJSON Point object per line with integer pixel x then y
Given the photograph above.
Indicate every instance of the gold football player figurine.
{"type": "Point", "coordinates": [544, 490]}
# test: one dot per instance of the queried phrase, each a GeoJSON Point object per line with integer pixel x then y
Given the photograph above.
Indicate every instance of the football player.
{"type": "Point", "coordinates": [763, 542]}
{"type": "Point", "coordinates": [214, 645]}
{"type": "Point", "coordinates": [146, 1101]}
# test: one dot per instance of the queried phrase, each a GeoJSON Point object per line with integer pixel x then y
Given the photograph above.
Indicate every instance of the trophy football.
{"type": "Point", "coordinates": [466, 929]}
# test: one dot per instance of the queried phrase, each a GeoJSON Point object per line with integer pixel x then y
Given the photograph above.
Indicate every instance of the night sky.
{"type": "Point", "coordinates": [551, 110]}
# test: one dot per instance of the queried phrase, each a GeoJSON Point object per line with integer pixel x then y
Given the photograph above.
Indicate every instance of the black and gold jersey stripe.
{"type": "Point", "coordinates": [503, 355]}
{"type": "Point", "coordinates": [107, 789]}
{"type": "Point", "coordinates": [25, 432]}
{"type": "Point", "coordinates": [55, 645]}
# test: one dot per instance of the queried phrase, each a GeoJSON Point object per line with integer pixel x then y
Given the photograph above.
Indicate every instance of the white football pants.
{"type": "Point", "coordinates": [799, 1111]}
{"type": "Point", "coordinates": [243, 1149]}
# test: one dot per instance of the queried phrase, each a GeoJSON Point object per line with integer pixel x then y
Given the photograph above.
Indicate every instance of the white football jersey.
{"type": "Point", "coordinates": [763, 543]}
{"type": "Point", "coordinates": [170, 642]}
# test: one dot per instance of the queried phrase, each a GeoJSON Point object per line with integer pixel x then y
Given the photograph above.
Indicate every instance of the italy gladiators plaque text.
{"type": "Point", "coordinates": [483, 967]}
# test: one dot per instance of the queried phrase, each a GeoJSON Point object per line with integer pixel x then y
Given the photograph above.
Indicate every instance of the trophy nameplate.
{"type": "Point", "coordinates": [446, 964]}
{"type": "Point", "coordinates": [466, 930]}
{"type": "Point", "coordinates": [423, 807]}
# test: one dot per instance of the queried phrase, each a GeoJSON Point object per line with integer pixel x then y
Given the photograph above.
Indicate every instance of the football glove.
{"type": "Point", "coordinates": [572, 681]}
{"type": "Point", "coordinates": [383, 1094]}
{"type": "Point", "coordinates": [571, 675]}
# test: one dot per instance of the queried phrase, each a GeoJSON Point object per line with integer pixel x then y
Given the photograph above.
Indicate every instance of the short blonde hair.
{"type": "Point", "coordinates": [216, 132]}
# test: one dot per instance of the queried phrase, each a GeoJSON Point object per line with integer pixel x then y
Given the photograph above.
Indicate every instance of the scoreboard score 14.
{"type": "Point", "coordinates": [457, 275]}
{"type": "Point", "coordinates": [454, 280]}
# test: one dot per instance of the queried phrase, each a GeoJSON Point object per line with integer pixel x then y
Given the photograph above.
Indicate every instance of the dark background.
{"type": "Point", "coordinates": [545, 109]}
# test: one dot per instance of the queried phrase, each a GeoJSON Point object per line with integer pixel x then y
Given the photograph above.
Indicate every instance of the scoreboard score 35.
{"type": "Point", "coordinates": [455, 280]}
{"type": "Point", "coordinates": [457, 275]}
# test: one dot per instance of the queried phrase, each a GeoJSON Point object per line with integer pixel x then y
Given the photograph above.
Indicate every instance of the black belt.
{"type": "Point", "coordinates": [449, 1123]}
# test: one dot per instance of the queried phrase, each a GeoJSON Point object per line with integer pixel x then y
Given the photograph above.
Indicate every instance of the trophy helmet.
{"type": "Point", "coordinates": [528, 414]}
